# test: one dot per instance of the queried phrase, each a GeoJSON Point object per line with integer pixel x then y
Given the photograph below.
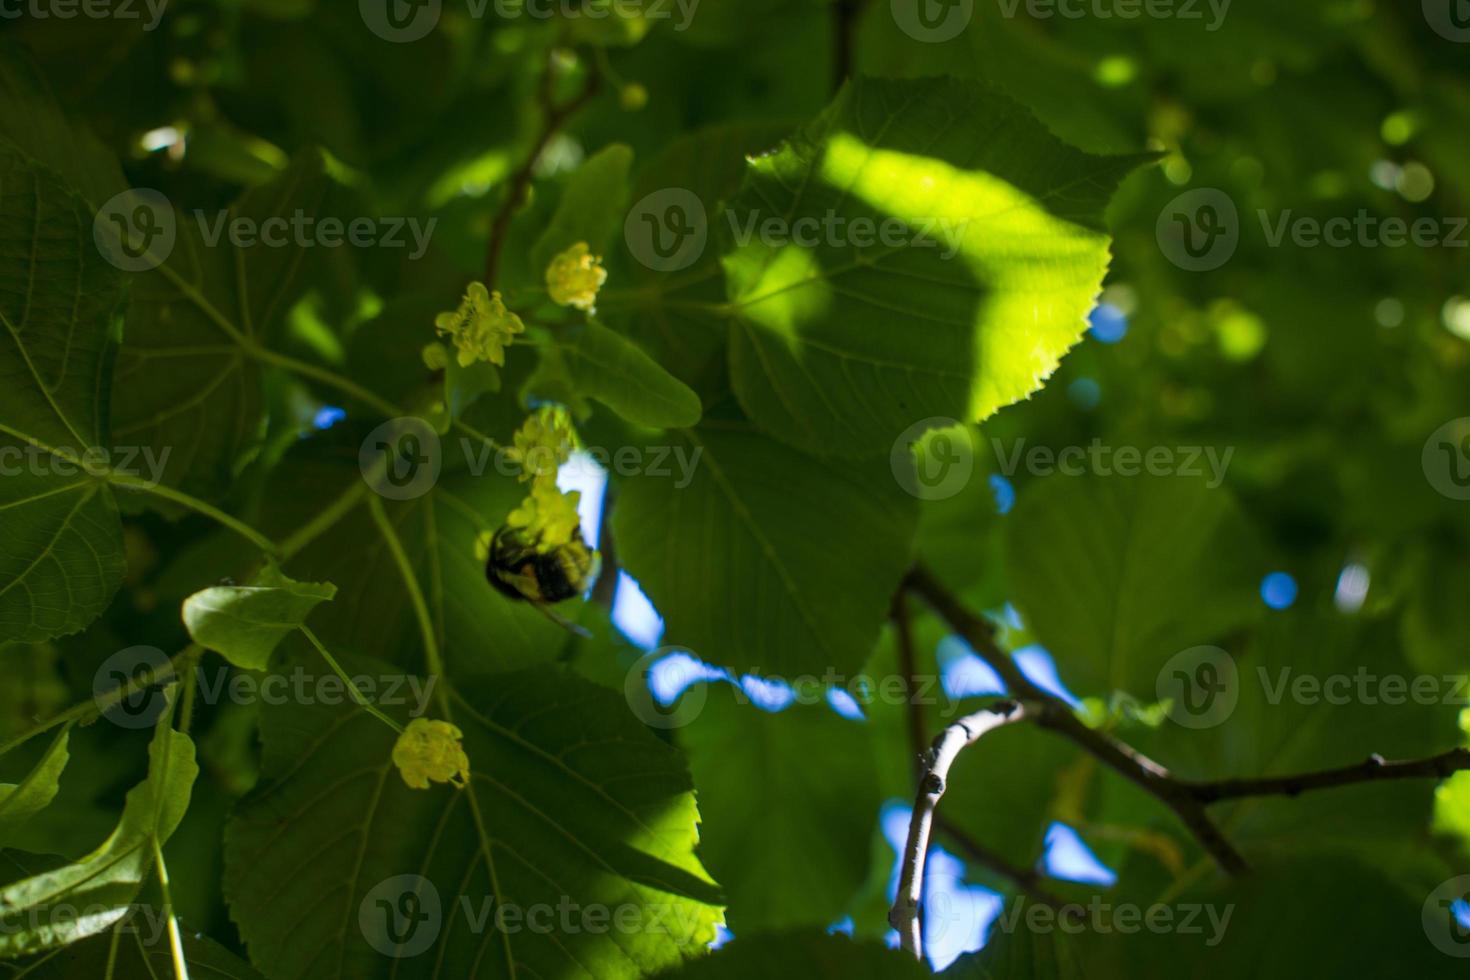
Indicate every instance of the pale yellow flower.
{"type": "Point", "coordinates": [543, 442]}
{"type": "Point", "coordinates": [481, 328]}
{"type": "Point", "coordinates": [574, 277]}
{"type": "Point", "coordinates": [430, 751]}
{"type": "Point", "coordinates": [548, 516]}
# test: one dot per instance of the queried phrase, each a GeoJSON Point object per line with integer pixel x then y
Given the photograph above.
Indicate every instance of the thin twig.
{"type": "Point", "coordinates": [904, 916]}
{"type": "Point", "coordinates": [844, 39]}
{"type": "Point", "coordinates": [1374, 769]}
{"type": "Point", "coordinates": [1028, 880]}
{"type": "Point", "coordinates": [520, 181]}
{"type": "Point", "coordinates": [903, 627]}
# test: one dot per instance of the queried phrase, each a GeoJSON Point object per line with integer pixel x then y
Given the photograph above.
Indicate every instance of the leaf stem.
{"type": "Point", "coordinates": [190, 679]}
{"type": "Point", "coordinates": [175, 941]}
{"type": "Point", "coordinates": [327, 377]}
{"type": "Point", "coordinates": [326, 518]}
{"type": "Point", "coordinates": [357, 695]}
{"type": "Point", "coordinates": [411, 583]}
{"type": "Point", "coordinates": [195, 504]}
{"type": "Point", "coordinates": [86, 711]}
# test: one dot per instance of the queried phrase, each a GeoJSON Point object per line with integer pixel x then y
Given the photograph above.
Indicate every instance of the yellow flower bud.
{"type": "Point", "coordinates": [633, 97]}
{"type": "Point", "coordinates": [430, 751]}
{"type": "Point", "coordinates": [436, 358]}
{"type": "Point", "coordinates": [574, 277]}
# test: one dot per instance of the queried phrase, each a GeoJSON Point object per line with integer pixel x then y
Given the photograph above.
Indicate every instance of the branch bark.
{"type": "Point", "coordinates": [1027, 880]}
{"type": "Point", "coordinates": [904, 915]}
{"type": "Point", "coordinates": [520, 181]}
{"type": "Point", "coordinates": [1373, 769]}
{"type": "Point", "coordinates": [844, 39]}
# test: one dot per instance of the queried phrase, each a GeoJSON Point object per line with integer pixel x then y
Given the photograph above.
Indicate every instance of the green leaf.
{"type": "Point", "coordinates": [1452, 810]}
{"type": "Point", "coordinates": [1117, 574]}
{"type": "Point", "coordinates": [185, 390]}
{"type": "Point", "coordinates": [796, 559]}
{"type": "Point", "coordinates": [463, 385]}
{"type": "Point", "coordinates": [591, 208]}
{"type": "Point", "coordinates": [135, 949]}
{"type": "Point", "coordinates": [614, 371]}
{"type": "Point", "coordinates": [21, 802]}
{"type": "Point", "coordinates": [992, 258]}
{"type": "Point", "coordinates": [802, 782]}
{"type": "Point", "coordinates": [31, 117]}
{"type": "Point", "coordinates": [1030, 954]}
{"type": "Point", "coordinates": [802, 954]}
{"type": "Point", "coordinates": [1436, 613]}
{"type": "Point", "coordinates": [61, 555]}
{"type": "Point", "coordinates": [245, 623]}
{"type": "Point", "coordinates": [188, 325]}
{"type": "Point", "coordinates": [571, 801]}
{"type": "Point", "coordinates": [678, 316]}
{"type": "Point", "coordinates": [106, 881]}
{"type": "Point", "coordinates": [1284, 920]}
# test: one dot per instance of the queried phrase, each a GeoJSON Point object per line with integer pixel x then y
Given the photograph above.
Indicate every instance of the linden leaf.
{"type": "Point", "coordinates": [923, 249]}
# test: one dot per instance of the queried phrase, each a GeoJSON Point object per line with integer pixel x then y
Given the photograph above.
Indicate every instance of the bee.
{"type": "Point", "coordinates": [518, 569]}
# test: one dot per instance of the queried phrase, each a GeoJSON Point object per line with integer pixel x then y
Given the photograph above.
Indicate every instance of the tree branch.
{"type": "Point", "coordinates": [520, 181]}
{"type": "Point", "coordinates": [1057, 715]}
{"type": "Point", "coordinates": [903, 628]}
{"type": "Point", "coordinates": [1028, 880]}
{"type": "Point", "coordinates": [1188, 799]}
{"type": "Point", "coordinates": [844, 38]}
{"type": "Point", "coordinates": [904, 916]}
{"type": "Point", "coordinates": [1373, 769]}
